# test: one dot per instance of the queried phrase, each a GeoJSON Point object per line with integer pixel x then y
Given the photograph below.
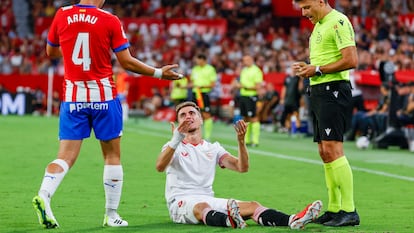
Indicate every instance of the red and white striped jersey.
{"type": "Point", "coordinates": [86, 35]}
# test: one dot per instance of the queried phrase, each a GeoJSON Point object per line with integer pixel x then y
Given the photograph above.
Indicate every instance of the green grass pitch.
{"type": "Point", "coordinates": [285, 173]}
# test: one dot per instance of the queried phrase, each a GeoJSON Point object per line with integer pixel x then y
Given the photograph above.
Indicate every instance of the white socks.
{"type": "Point", "coordinates": [112, 181]}
{"type": "Point", "coordinates": [51, 181]}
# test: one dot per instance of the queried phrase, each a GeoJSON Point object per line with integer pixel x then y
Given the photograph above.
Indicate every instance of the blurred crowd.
{"type": "Point", "coordinates": [251, 29]}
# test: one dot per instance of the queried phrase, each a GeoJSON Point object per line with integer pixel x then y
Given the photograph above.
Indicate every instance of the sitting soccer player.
{"type": "Point", "coordinates": [190, 162]}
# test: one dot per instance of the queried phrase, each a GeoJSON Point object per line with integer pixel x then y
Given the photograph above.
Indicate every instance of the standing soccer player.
{"type": "Point", "coordinates": [251, 77]}
{"type": "Point", "coordinates": [203, 79]}
{"type": "Point", "coordinates": [332, 55]}
{"type": "Point", "coordinates": [84, 36]}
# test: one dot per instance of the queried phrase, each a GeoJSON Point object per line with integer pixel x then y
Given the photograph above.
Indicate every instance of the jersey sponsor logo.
{"type": "Point", "coordinates": [180, 203]}
{"type": "Point", "coordinates": [94, 106]}
{"type": "Point", "coordinates": [335, 93]}
{"type": "Point", "coordinates": [185, 154]}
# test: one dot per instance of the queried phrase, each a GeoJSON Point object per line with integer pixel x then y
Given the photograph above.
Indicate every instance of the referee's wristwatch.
{"type": "Point", "coordinates": [318, 71]}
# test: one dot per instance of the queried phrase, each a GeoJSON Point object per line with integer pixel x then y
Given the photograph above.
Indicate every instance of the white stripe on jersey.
{"type": "Point", "coordinates": [69, 91]}
{"type": "Point", "coordinates": [107, 88]}
{"type": "Point", "coordinates": [92, 89]}
{"type": "Point", "coordinates": [81, 91]}
{"type": "Point", "coordinates": [94, 93]}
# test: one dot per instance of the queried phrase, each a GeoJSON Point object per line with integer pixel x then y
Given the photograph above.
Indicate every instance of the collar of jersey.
{"type": "Point", "coordinates": [85, 6]}
{"type": "Point", "coordinates": [201, 143]}
{"type": "Point", "coordinates": [326, 18]}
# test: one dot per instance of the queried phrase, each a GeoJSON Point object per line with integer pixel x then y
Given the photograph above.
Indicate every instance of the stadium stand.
{"type": "Point", "coordinates": [173, 31]}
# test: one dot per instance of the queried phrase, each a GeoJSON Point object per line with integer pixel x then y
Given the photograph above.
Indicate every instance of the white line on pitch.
{"type": "Point", "coordinates": [289, 157]}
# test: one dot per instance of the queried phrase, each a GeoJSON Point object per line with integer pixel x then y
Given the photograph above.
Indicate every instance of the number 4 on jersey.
{"type": "Point", "coordinates": [82, 42]}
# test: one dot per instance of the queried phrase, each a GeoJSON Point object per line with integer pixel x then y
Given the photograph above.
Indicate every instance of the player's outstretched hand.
{"type": "Point", "coordinates": [169, 73]}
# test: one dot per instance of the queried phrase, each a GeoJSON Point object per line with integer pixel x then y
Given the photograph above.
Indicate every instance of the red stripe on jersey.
{"type": "Point", "coordinates": [74, 92]}
{"type": "Point", "coordinates": [101, 90]}
{"type": "Point", "coordinates": [88, 92]}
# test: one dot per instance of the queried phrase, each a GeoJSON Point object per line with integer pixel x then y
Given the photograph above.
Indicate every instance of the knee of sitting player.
{"type": "Point", "coordinates": [199, 208]}
{"type": "Point", "coordinates": [247, 208]}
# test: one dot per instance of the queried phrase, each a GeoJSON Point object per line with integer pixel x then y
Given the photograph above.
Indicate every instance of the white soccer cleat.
{"type": "Point", "coordinates": [236, 220]}
{"type": "Point", "coordinates": [44, 213]}
{"type": "Point", "coordinates": [114, 222]}
{"type": "Point", "coordinates": [310, 213]}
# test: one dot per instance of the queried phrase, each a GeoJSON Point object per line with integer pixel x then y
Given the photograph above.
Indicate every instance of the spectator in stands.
{"type": "Point", "coordinates": [55, 103]}
{"type": "Point", "coordinates": [406, 114]}
{"type": "Point", "coordinates": [202, 81]}
{"type": "Point", "coordinates": [251, 79]}
{"type": "Point", "coordinates": [188, 192]}
{"type": "Point", "coordinates": [38, 101]}
{"type": "Point", "coordinates": [16, 60]}
{"type": "Point", "coordinates": [270, 101]}
{"type": "Point", "coordinates": [89, 101]}
{"type": "Point", "coordinates": [331, 103]}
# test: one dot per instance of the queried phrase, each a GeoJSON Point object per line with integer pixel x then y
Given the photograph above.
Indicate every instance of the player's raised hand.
{"type": "Point", "coordinates": [169, 73]}
{"type": "Point", "coordinates": [241, 128]}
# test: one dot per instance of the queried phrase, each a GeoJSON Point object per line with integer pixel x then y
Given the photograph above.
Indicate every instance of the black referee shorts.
{"type": "Point", "coordinates": [331, 109]}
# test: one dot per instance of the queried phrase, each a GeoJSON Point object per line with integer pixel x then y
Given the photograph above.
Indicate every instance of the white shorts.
{"type": "Point", "coordinates": [181, 210]}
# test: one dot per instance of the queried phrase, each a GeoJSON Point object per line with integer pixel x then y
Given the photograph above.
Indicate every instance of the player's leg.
{"type": "Point", "coordinates": [337, 117]}
{"type": "Point", "coordinates": [107, 124]}
{"type": "Point", "coordinates": [73, 127]}
{"type": "Point", "coordinates": [219, 212]}
{"type": "Point", "coordinates": [54, 174]}
{"type": "Point", "coordinates": [255, 122]}
{"type": "Point", "coordinates": [112, 181]}
{"type": "Point", "coordinates": [253, 129]}
{"type": "Point", "coordinates": [207, 118]}
{"type": "Point", "coordinates": [263, 215]}
{"type": "Point", "coordinates": [196, 209]}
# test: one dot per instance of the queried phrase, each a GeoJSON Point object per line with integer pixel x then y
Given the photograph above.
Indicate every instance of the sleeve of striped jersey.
{"type": "Point", "coordinates": [119, 40]}
{"type": "Point", "coordinates": [52, 36]}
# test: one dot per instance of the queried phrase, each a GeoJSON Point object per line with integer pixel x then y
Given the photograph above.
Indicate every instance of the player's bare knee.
{"type": "Point", "coordinates": [252, 205]}
{"type": "Point", "coordinates": [199, 209]}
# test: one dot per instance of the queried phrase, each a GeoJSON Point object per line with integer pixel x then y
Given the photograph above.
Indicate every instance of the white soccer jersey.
{"type": "Point", "coordinates": [192, 169]}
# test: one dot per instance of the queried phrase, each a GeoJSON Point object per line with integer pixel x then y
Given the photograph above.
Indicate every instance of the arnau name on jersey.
{"type": "Point", "coordinates": [83, 18]}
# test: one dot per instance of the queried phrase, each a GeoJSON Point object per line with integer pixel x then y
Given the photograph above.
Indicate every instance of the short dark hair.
{"type": "Point", "coordinates": [202, 56]}
{"type": "Point", "coordinates": [185, 104]}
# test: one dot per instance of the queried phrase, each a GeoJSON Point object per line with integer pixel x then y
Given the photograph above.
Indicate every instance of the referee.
{"type": "Point", "coordinates": [332, 53]}
{"type": "Point", "coordinates": [251, 78]}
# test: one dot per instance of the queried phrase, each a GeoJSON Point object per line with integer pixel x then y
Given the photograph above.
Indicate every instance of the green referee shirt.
{"type": "Point", "coordinates": [331, 34]}
{"type": "Point", "coordinates": [203, 76]}
{"type": "Point", "coordinates": [179, 90]}
{"type": "Point", "coordinates": [249, 77]}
